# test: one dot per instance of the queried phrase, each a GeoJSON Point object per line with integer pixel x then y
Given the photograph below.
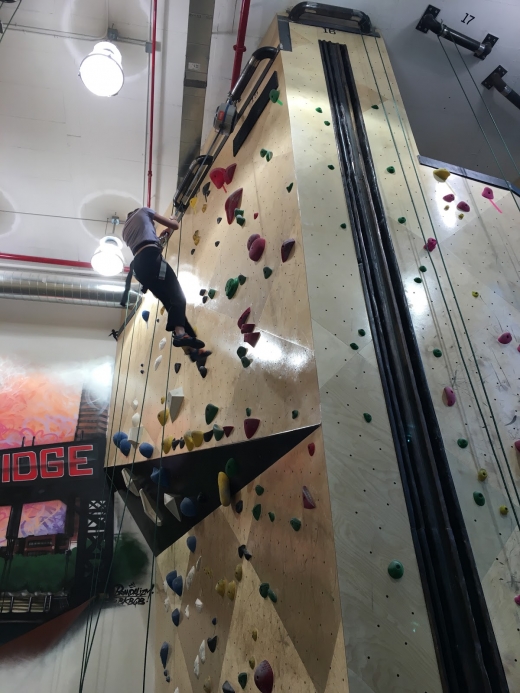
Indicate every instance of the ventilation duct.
{"type": "Point", "coordinates": [63, 288]}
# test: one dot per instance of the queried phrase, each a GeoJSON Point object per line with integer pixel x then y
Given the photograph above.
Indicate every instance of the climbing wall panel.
{"type": "Point", "coordinates": [298, 628]}
{"type": "Point", "coordinates": [469, 296]}
{"type": "Point", "coordinates": [386, 628]}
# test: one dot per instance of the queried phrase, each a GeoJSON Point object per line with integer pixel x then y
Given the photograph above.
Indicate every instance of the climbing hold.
{"type": "Point", "coordinates": [463, 206]}
{"type": "Point", "coordinates": [251, 426]}
{"type": "Point", "coordinates": [257, 247]}
{"type": "Point", "coordinates": [402, 220]}
{"type": "Point", "coordinates": [231, 287]}
{"type": "Point", "coordinates": [170, 577]}
{"type": "Point", "coordinates": [208, 435]}
{"type": "Point", "coordinates": [252, 338]}
{"type": "Point", "coordinates": [229, 173]}
{"type": "Point", "coordinates": [231, 590]}
{"type": "Point", "coordinates": [287, 247]}
{"type": "Point", "coordinates": [257, 511]}
{"type": "Point", "coordinates": [214, 621]}
{"type": "Point", "coordinates": [193, 202]}
{"type": "Point", "coordinates": [271, 516]}
{"type": "Point", "coordinates": [188, 507]}
{"type": "Point", "coordinates": [259, 490]}
{"type": "Point", "coordinates": [239, 506]}
{"type": "Point", "coordinates": [198, 606]}
{"type": "Point", "coordinates": [145, 314]}
{"type": "Point", "coordinates": [505, 338]}
{"type": "Point", "coordinates": [479, 498]}
{"type": "Point", "coordinates": [375, 107]}
{"type": "Point", "coordinates": [264, 589]}
{"type": "Point", "coordinates": [272, 596]}
{"type": "Point", "coordinates": [207, 685]}
{"type": "Point", "coordinates": [263, 152]}
{"type": "Point", "coordinates": [331, 167]}
{"type": "Point", "coordinates": [289, 187]}
{"type": "Point", "coordinates": [204, 299]}
{"type": "Point", "coordinates": [162, 343]}
{"type": "Point", "coordinates": [135, 404]}
{"type": "Point", "coordinates": [361, 333]}
{"type": "Point", "coordinates": [248, 327]}
{"type": "Point", "coordinates": [189, 441]}
{"type": "Point", "coordinates": [176, 617]}
{"type": "Point", "coordinates": [269, 156]}
{"type": "Point", "coordinates": [203, 371]}
{"type": "Point", "coordinates": [241, 279]}
{"type": "Point", "coordinates": [246, 362]}
{"type": "Point", "coordinates": [196, 237]}
{"type": "Point", "coordinates": [446, 207]}
{"type": "Point", "coordinates": [177, 367]}
{"type": "Point", "coordinates": [160, 476]}
{"type": "Point", "coordinates": [475, 294]}
{"type": "Point", "coordinates": [311, 447]}
{"type": "Point", "coordinates": [503, 509]}
{"type": "Point", "coordinates": [157, 362]}
{"type": "Point", "coordinates": [354, 346]}
{"type": "Point", "coordinates": [462, 443]}
{"type": "Point", "coordinates": [146, 450]}
{"type": "Point", "coordinates": [212, 643]}
{"type": "Point", "coordinates": [482, 474]}
{"type": "Point", "coordinates": [461, 216]}
{"type": "Point", "coordinates": [125, 446]}
{"type": "Point", "coordinates": [163, 416]}
{"type": "Point", "coordinates": [318, 110]}
{"type": "Point", "coordinates": [295, 523]}
{"type": "Point", "coordinates": [248, 411]}
{"type": "Point", "coordinates": [390, 169]}
{"type": "Point", "coordinates": [232, 203]}
{"type": "Point", "coordinates": [191, 543]}
{"type": "Point", "coordinates": [211, 293]}
{"type": "Point", "coordinates": [252, 662]}
{"type": "Point", "coordinates": [244, 552]}
{"type": "Point", "coordinates": [119, 437]}
{"type": "Point", "coordinates": [177, 585]}
{"type": "Point", "coordinates": [274, 96]}
{"type": "Point", "coordinates": [228, 430]}
{"type": "Point", "coordinates": [396, 570]}
{"type": "Point", "coordinates": [217, 177]}
{"type": "Point", "coordinates": [264, 677]}
{"type": "Point", "coordinates": [223, 489]}
{"type": "Point", "coordinates": [242, 680]}
{"type": "Point", "coordinates": [437, 353]}
{"type": "Point", "coordinates": [327, 122]}
{"type": "Point", "coordinates": [343, 226]}
{"type": "Point", "coordinates": [238, 572]}
{"type": "Point", "coordinates": [367, 418]}
{"type": "Point", "coordinates": [430, 244]}
{"type": "Point", "coordinates": [219, 219]}
{"type": "Point", "coordinates": [449, 198]}
{"type": "Point", "coordinates": [211, 412]}
{"type": "Point", "coordinates": [441, 174]}
{"type": "Point", "coordinates": [243, 318]}
{"type": "Point", "coordinates": [241, 351]}
{"type": "Point", "coordinates": [252, 239]}
{"type": "Point", "coordinates": [254, 634]}
{"type": "Point", "coordinates": [240, 220]}
{"type": "Point", "coordinates": [220, 587]}
{"type": "Point", "coordinates": [181, 443]}
{"type": "Point", "coordinates": [163, 653]}
{"type": "Point", "coordinates": [267, 272]}
{"type": "Point", "coordinates": [418, 280]}
{"type": "Point", "coordinates": [450, 396]}
{"type": "Point", "coordinates": [295, 413]}
{"type": "Point", "coordinates": [308, 500]}
{"type": "Point", "coordinates": [218, 432]}
{"type": "Point", "coordinates": [227, 687]}
{"type": "Point", "coordinates": [422, 268]}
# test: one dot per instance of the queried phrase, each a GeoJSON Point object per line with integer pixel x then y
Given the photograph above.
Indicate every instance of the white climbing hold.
{"type": "Point", "coordinates": [197, 564]}
{"type": "Point", "coordinates": [162, 343]}
{"type": "Point", "coordinates": [149, 508]}
{"type": "Point", "coordinates": [136, 434]}
{"type": "Point", "coordinates": [189, 577]}
{"type": "Point", "coordinates": [198, 605]}
{"type": "Point", "coordinates": [130, 480]}
{"type": "Point", "coordinates": [202, 651]}
{"type": "Point", "coordinates": [187, 611]}
{"type": "Point", "coordinates": [196, 666]}
{"type": "Point", "coordinates": [135, 404]}
{"type": "Point", "coordinates": [157, 362]}
{"type": "Point", "coordinates": [172, 503]}
{"type": "Point", "coordinates": [167, 600]}
{"type": "Point", "coordinates": [135, 419]}
{"type": "Point", "coordinates": [176, 690]}
{"type": "Point", "coordinates": [174, 402]}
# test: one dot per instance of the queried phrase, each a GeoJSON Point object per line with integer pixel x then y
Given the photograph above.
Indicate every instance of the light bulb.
{"type": "Point", "coordinates": [108, 259]}
{"type": "Point", "coordinates": [101, 71]}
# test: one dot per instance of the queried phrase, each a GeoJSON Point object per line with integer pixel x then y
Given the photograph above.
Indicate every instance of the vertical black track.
{"type": "Point", "coordinates": [468, 656]}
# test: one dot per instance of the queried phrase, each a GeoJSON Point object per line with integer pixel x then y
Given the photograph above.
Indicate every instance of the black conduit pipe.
{"type": "Point", "coordinates": [506, 91]}
{"type": "Point", "coordinates": [480, 50]}
{"type": "Point", "coordinates": [332, 11]}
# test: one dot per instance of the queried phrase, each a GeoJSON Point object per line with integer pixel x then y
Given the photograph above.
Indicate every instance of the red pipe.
{"type": "Point", "coordinates": [152, 99]}
{"type": "Point", "coordinates": [48, 261]}
{"type": "Point", "coordinates": [240, 47]}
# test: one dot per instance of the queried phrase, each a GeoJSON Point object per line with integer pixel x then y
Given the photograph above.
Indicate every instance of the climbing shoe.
{"type": "Point", "coordinates": [187, 341]}
{"type": "Point", "coordinates": [199, 357]}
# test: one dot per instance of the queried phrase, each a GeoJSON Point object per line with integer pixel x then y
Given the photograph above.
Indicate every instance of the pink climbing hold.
{"type": "Point", "coordinates": [229, 173]}
{"type": "Point", "coordinates": [243, 318]}
{"type": "Point", "coordinates": [251, 338]}
{"type": "Point", "coordinates": [251, 427]}
{"type": "Point", "coordinates": [463, 206]}
{"type": "Point", "coordinates": [505, 338]}
{"type": "Point", "coordinates": [287, 246]}
{"type": "Point", "coordinates": [431, 244]}
{"type": "Point", "coordinates": [255, 215]}
{"type": "Point", "coordinates": [218, 177]}
{"type": "Point", "coordinates": [264, 677]}
{"type": "Point", "coordinates": [248, 327]}
{"type": "Point", "coordinates": [449, 198]}
{"type": "Point", "coordinates": [517, 599]}
{"type": "Point", "coordinates": [450, 396]}
{"type": "Point", "coordinates": [488, 193]}
{"type": "Point", "coordinates": [308, 500]}
{"type": "Point", "coordinates": [232, 203]}
{"type": "Point", "coordinates": [517, 445]}
{"type": "Point", "coordinates": [252, 239]}
{"type": "Point", "coordinates": [311, 447]}
{"type": "Point", "coordinates": [518, 348]}
{"type": "Point", "coordinates": [257, 249]}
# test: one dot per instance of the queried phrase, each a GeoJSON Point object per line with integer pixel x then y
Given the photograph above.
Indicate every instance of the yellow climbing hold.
{"type": "Point", "coordinates": [254, 634]}
{"type": "Point", "coordinates": [198, 438]}
{"type": "Point", "coordinates": [193, 202]}
{"type": "Point", "coordinates": [238, 572]}
{"type": "Point", "coordinates": [441, 174]}
{"type": "Point", "coordinates": [162, 310]}
{"type": "Point", "coordinates": [188, 439]}
{"type": "Point", "coordinates": [163, 416]}
{"type": "Point", "coordinates": [482, 474]}
{"type": "Point", "coordinates": [196, 238]}
{"type": "Point", "coordinates": [223, 489]}
{"type": "Point", "coordinates": [503, 509]}
{"type": "Point", "coordinates": [163, 400]}
{"type": "Point", "coordinates": [204, 207]}
{"type": "Point", "coordinates": [208, 686]}
{"type": "Point", "coordinates": [475, 294]}
{"type": "Point", "coordinates": [252, 662]}
{"type": "Point", "coordinates": [231, 590]}
{"type": "Point", "coordinates": [220, 587]}
{"type": "Point", "coordinates": [167, 444]}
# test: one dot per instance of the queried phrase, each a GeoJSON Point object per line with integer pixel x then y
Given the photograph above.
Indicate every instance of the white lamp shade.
{"type": "Point", "coordinates": [108, 259]}
{"type": "Point", "coordinates": [101, 70]}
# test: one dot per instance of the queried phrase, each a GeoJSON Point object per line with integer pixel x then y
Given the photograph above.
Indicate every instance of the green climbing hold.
{"type": "Point", "coordinates": [479, 498]}
{"type": "Point", "coordinates": [418, 280]}
{"type": "Point", "coordinates": [269, 156]}
{"type": "Point", "coordinates": [295, 523]}
{"type": "Point", "coordinates": [390, 169]}
{"type": "Point", "coordinates": [231, 287]}
{"type": "Point", "coordinates": [331, 167]}
{"type": "Point", "coordinates": [318, 110]}
{"type": "Point", "coordinates": [242, 680]}
{"type": "Point", "coordinates": [274, 95]}
{"type": "Point", "coordinates": [361, 332]}
{"type": "Point", "coordinates": [263, 152]}
{"type": "Point", "coordinates": [343, 226]}
{"type": "Point", "coordinates": [211, 293]}
{"type": "Point", "coordinates": [264, 589]}
{"type": "Point", "coordinates": [295, 413]}
{"type": "Point", "coordinates": [248, 411]}
{"type": "Point", "coordinates": [271, 516]}
{"type": "Point", "coordinates": [462, 443]}
{"type": "Point", "coordinates": [422, 268]}
{"type": "Point", "coordinates": [232, 468]}
{"type": "Point", "coordinates": [218, 433]}
{"type": "Point", "coordinates": [367, 418]}
{"type": "Point", "coordinates": [375, 107]}
{"type": "Point", "coordinates": [211, 412]}
{"type": "Point", "coordinates": [267, 272]}
{"type": "Point", "coordinates": [259, 490]}
{"type": "Point", "coordinates": [437, 353]}
{"type": "Point", "coordinates": [289, 187]}
{"type": "Point", "coordinates": [246, 362]}
{"type": "Point", "coordinates": [241, 279]}
{"type": "Point", "coordinates": [272, 596]}
{"type": "Point", "coordinates": [257, 511]}
{"type": "Point", "coordinates": [354, 346]}
{"type": "Point", "coordinates": [396, 570]}
{"type": "Point", "coordinates": [241, 351]}
{"type": "Point", "coordinates": [239, 213]}
{"type": "Point", "coordinates": [326, 122]}
{"type": "Point", "coordinates": [240, 220]}
{"type": "Point", "coordinates": [402, 220]}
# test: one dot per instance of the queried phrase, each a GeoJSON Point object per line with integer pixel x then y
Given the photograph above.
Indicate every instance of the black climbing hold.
{"type": "Point", "coordinates": [191, 543]}
{"type": "Point", "coordinates": [163, 653]}
{"type": "Point", "coordinates": [217, 243]}
{"type": "Point", "coordinates": [214, 621]}
{"type": "Point", "coordinates": [192, 251]}
{"type": "Point", "coordinates": [142, 372]}
{"type": "Point", "coordinates": [167, 679]}
{"type": "Point", "coordinates": [227, 687]}
{"type": "Point", "coordinates": [208, 435]}
{"type": "Point", "coordinates": [375, 107]}
{"type": "Point", "coordinates": [418, 280]}
{"type": "Point", "coordinates": [212, 643]}
{"type": "Point", "coordinates": [204, 299]}
{"type": "Point", "coordinates": [239, 506]}
{"type": "Point", "coordinates": [295, 523]}
{"type": "Point", "coordinates": [367, 418]}
{"type": "Point", "coordinates": [181, 443]}
{"type": "Point", "coordinates": [259, 490]}
{"type": "Point", "coordinates": [264, 589]}
{"type": "Point", "coordinates": [219, 219]}
{"type": "Point", "coordinates": [271, 516]}
{"type": "Point", "coordinates": [257, 511]}
{"type": "Point", "coordinates": [202, 292]}
{"type": "Point", "coordinates": [289, 187]}
{"type": "Point", "coordinates": [402, 220]}
{"type": "Point", "coordinates": [295, 413]}
{"type": "Point", "coordinates": [176, 617]}
{"type": "Point", "coordinates": [246, 362]}
{"type": "Point", "coordinates": [267, 272]}
{"type": "Point", "coordinates": [272, 596]}
{"type": "Point", "coordinates": [241, 279]}
{"type": "Point", "coordinates": [232, 468]}
{"type": "Point", "coordinates": [242, 680]}
{"type": "Point", "coordinates": [177, 367]}
{"type": "Point", "coordinates": [248, 411]}
{"type": "Point", "coordinates": [331, 167]}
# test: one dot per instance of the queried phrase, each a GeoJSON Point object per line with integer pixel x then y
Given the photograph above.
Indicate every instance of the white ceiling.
{"type": "Point", "coordinates": [67, 153]}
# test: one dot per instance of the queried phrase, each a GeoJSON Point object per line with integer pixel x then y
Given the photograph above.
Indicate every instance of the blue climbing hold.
{"type": "Point", "coordinates": [192, 543]}
{"type": "Point", "coordinates": [119, 437]}
{"type": "Point", "coordinates": [146, 450]}
{"type": "Point", "coordinates": [125, 446]}
{"type": "Point", "coordinates": [176, 617]}
{"type": "Point", "coordinates": [160, 476]}
{"type": "Point", "coordinates": [188, 507]}
{"type": "Point", "coordinates": [170, 578]}
{"type": "Point", "coordinates": [145, 315]}
{"type": "Point", "coordinates": [177, 585]}
{"type": "Point", "coordinates": [163, 653]}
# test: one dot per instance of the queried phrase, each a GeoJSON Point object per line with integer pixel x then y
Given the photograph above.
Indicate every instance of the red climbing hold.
{"type": "Point", "coordinates": [264, 677]}
{"type": "Point", "coordinates": [229, 173]}
{"type": "Point", "coordinates": [287, 246]}
{"type": "Point", "coordinates": [252, 239]}
{"type": "Point", "coordinates": [243, 318]}
{"type": "Point", "coordinates": [308, 500]}
{"type": "Point", "coordinates": [505, 338]}
{"type": "Point", "coordinates": [463, 206]}
{"type": "Point", "coordinates": [232, 203]}
{"type": "Point", "coordinates": [228, 430]}
{"type": "Point", "coordinates": [450, 396]}
{"type": "Point", "coordinates": [255, 215]}
{"type": "Point", "coordinates": [449, 198]}
{"type": "Point", "coordinates": [217, 177]}
{"type": "Point", "coordinates": [251, 338]}
{"type": "Point", "coordinates": [248, 327]}
{"type": "Point", "coordinates": [431, 244]}
{"type": "Point", "coordinates": [251, 427]}
{"type": "Point", "coordinates": [517, 445]}
{"type": "Point", "coordinates": [311, 447]}
{"type": "Point", "coordinates": [257, 249]}
{"type": "Point", "coordinates": [517, 599]}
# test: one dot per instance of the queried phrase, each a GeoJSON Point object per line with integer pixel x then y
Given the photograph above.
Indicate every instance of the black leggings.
{"type": "Point", "coordinates": [147, 265]}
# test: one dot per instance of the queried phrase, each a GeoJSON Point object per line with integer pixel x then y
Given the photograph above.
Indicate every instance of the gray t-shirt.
{"type": "Point", "coordinates": [140, 228]}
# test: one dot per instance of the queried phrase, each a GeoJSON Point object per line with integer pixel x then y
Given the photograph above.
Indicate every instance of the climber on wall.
{"type": "Point", "coordinates": [155, 274]}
